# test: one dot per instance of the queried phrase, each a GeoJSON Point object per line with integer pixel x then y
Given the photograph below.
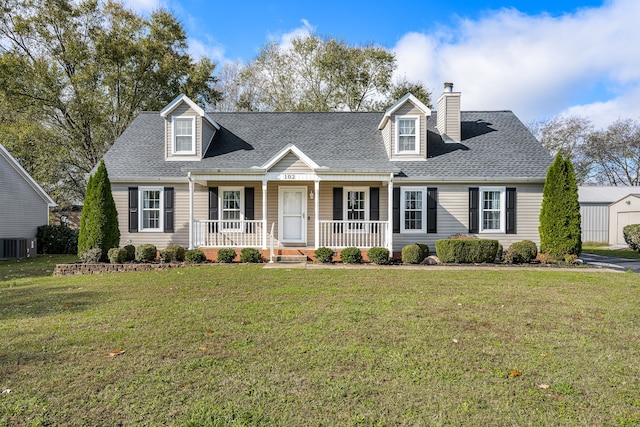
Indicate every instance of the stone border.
{"type": "Point", "coordinates": [79, 268]}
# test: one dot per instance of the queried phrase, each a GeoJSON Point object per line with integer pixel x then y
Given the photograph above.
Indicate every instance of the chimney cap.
{"type": "Point", "coordinates": [448, 87]}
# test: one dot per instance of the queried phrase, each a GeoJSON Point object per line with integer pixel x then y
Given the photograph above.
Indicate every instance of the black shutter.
{"type": "Point", "coordinates": [133, 209]}
{"type": "Point", "coordinates": [396, 209]}
{"type": "Point", "coordinates": [337, 208]}
{"type": "Point", "coordinates": [474, 211]}
{"type": "Point", "coordinates": [432, 210]}
{"type": "Point", "coordinates": [213, 203]}
{"type": "Point", "coordinates": [249, 205]}
{"type": "Point", "coordinates": [374, 204]}
{"type": "Point", "coordinates": [168, 209]}
{"type": "Point", "coordinates": [511, 211]}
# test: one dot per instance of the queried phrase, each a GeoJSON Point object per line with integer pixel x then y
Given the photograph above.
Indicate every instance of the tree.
{"type": "Point", "coordinates": [314, 74]}
{"type": "Point", "coordinates": [560, 232]}
{"type": "Point", "coordinates": [616, 153]}
{"type": "Point", "coordinates": [73, 74]}
{"type": "Point", "coordinates": [568, 135]}
{"type": "Point", "coordinates": [99, 221]}
{"type": "Point", "coordinates": [401, 88]}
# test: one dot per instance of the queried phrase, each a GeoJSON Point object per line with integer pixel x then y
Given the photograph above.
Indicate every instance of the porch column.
{"type": "Point", "coordinates": [316, 200]}
{"type": "Point", "coordinates": [390, 216]}
{"type": "Point", "coordinates": [264, 213]}
{"type": "Point", "coordinates": [191, 219]}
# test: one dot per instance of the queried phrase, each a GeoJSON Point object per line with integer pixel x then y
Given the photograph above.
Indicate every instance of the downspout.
{"type": "Point", "coordinates": [191, 219]}
{"type": "Point", "coordinates": [316, 213]}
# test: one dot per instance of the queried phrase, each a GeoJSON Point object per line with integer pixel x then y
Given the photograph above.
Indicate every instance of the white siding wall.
{"type": "Point", "coordinates": [623, 212]}
{"type": "Point", "coordinates": [453, 215]}
{"type": "Point", "coordinates": [22, 210]}
{"type": "Point", "coordinates": [595, 222]}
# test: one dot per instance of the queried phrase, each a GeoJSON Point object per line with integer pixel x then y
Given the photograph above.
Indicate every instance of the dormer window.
{"type": "Point", "coordinates": [184, 140]}
{"type": "Point", "coordinates": [408, 134]}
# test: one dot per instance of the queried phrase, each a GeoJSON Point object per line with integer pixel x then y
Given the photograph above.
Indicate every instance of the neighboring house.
{"type": "Point", "coordinates": [623, 212]}
{"type": "Point", "coordinates": [24, 206]}
{"type": "Point", "coordinates": [337, 179]}
{"type": "Point", "coordinates": [595, 206]}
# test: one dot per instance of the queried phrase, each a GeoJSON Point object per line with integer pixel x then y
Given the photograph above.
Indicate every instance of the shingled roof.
{"type": "Point", "coordinates": [495, 145]}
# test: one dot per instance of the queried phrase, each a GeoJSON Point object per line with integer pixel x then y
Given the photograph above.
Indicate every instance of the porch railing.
{"type": "Point", "coordinates": [236, 234]}
{"type": "Point", "coordinates": [361, 234]}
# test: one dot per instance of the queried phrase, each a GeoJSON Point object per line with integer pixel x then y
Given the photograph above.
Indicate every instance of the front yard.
{"type": "Point", "coordinates": [242, 345]}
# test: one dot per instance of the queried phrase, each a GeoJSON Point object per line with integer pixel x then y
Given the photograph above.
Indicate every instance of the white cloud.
{"type": "Point", "coordinates": [537, 66]}
{"type": "Point", "coordinates": [142, 6]}
{"type": "Point", "coordinates": [210, 48]}
{"type": "Point", "coordinates": [285, 39]}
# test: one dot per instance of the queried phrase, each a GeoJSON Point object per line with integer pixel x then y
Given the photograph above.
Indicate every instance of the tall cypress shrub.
{"type": "Point", "coordinates": [99, 221]}
{"type": "Point", "coordinates": [560, 213]}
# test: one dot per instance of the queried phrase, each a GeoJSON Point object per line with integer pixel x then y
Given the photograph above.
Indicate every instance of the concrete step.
{"type": "Point", "coordinates": [290, 258]}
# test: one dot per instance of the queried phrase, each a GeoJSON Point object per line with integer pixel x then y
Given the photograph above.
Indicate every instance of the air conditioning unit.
{"type": "Point", "coordinates": [18, 248]}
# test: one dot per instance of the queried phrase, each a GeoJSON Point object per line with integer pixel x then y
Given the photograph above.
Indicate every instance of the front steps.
{"type": "Point", "coordinates": [289, 256]}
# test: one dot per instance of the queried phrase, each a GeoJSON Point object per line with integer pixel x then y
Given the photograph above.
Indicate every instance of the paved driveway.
{"type": "Point", "coordinates": [612, 262]}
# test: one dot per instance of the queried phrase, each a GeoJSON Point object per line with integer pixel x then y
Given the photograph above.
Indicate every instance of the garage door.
{"type": "Point", "coordinates": [626, 218]}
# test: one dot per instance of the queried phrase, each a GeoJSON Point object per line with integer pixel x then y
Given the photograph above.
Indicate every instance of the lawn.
{"type": "Point", "coordinates": [607, 251]}
{"type": "Point", "coordinates": [241, 345]}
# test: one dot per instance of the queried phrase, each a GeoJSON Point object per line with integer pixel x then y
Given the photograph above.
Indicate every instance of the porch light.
{"type": "Point", "coordinates": [311, 194]}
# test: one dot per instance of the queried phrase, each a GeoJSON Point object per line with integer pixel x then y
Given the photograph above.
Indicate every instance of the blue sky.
{"type": "Point", "coordinates": [537, 58]}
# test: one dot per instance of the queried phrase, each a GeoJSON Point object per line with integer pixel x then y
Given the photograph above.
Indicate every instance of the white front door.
{"type": "Point", "coordinates": [292, 207]}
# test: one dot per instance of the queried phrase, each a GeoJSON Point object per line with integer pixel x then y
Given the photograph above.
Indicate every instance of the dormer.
{"type": "Point", "coordinates": [404, 129]}
{"type": "Point", "coordinates": [188, 130]}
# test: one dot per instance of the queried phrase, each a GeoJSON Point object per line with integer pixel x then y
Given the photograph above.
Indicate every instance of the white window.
{"type": "Point", "coordinates": [232, 212]}
{"type": "Point", "coordinates": [151, 208]}
{"type": "Point", "coordinates": [492, 209]}
{"type": "Point", "coordinates": [413, 203]}
{"type": "Point", "coordinates": [184, 129]}
{"type": "Point", "coordinates": [356, 206]}
{"type": "Point", "coordinates": [408, 134]}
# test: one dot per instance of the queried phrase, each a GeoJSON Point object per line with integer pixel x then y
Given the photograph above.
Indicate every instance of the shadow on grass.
{"type": "Point", "coordinates": [38, 301]}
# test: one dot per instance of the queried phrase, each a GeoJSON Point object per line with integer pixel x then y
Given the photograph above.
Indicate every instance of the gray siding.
{"type": "Point", "coordinates": [595, 222]}
{"type": "Point", "coordinates": [22, 210]}
{"type": "Point", "coordinates": [453, 215]}
{"type": "Point", "coordinates": [207, 134]}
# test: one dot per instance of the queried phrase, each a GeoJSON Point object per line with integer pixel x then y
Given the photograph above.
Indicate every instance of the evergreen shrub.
{"type": "Point", "coordinates": [195, 256]}
{"type": "Point", "coordinates": [461, 251]}
{"type": "Point", "coordinates": [117, 255]}
{"type": "Point", "coordinates": [324, 254]}
{"type": "Point", "coordinates": [173, 253]}
{"type": "Point", "coordinates": [131, 253]}
{"type": "Point", "coordinates": [632, 236]}
{"type": "Point", "coordinates": [146, 253]}
{"type": "Point", "coordinates": [351, 255]}
{"type": "Point", "coordinates": [521, 252]}
{"type": "Point", "coordinates": [226, 255]}
{"type": "Point", "coordinates": [251, 255]}
{"type": "Point", "coordinates": [57, 239]}
{"type": "Point", "coordinates": [412, 254]}
{"type": "Point", "coordinates": [91, 256]}
{"type": "Point", "coordinates": [378, 255]}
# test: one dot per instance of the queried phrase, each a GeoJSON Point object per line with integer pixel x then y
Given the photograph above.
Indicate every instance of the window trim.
{"type": "Point", "coordinates": [141, 210]}
{"type": "Point", "coordinates": [174, 145]}
{"type": "Point", "coordinates": [481, 210]}
{"type": "Point", "coordinates": [221, 210]}
{"type": "Point", "coordinates": [345, 207]}
{"type": "Point", "coordinates": [418, 134]}
{"type": "Point", "coordinates": [403, 199]}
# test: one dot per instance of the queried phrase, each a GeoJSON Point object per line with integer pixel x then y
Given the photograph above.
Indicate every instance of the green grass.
{"type": "Point", "coordinates": [606, 251]}
{"type": "Point", "coordinates": [42, 265]}
{"type": "Point", "coordinates": [241, 345]}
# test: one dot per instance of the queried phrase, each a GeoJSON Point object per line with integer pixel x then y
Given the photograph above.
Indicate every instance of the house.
{"type": "Point", "coordinates": [24, 206]}
{"type": "Point", "coordinates": [623, 212]}
{"type": "Point", "coordinates": [296, 181]}
{"type": "Point", "coordinates": [596, 202]}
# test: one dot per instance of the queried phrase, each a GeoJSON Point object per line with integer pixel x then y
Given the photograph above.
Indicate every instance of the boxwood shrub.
{"type": "Point", "coordinates": [226, 255]}
{"type": "Point", "coordinates": [412, 254]}
{"type": "Point", "coordinates": [117, 255]}
{"type": "Point", "coordinates": [324, 255]}
{"type": "Point", "coordinates": [146, 253]}
{"type": "Point", "coordinates": [378, 255]}
{"type": "Point", "coordinates": [351, 255]}
{"type": "Point", "coordinates": [425, 250]}
{"type": "Point", "coordinates": [91, 256]}
{"type": "Point", "coordinates": [250, 255]}
{"type": "Point", "coordinates": [462, 251]}
{"type": "Point", "coordinates": [521, 252]}
{"type": "Point", "coordinates": [131, 253]}
{"type": "Point", "coordinates": [195, 256]}
{"type": "Point", "coordinates": [173, 253]}
{"type": "Point", "coordinates": [631, 235]}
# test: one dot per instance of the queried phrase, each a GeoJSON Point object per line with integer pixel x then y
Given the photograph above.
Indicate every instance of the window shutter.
{"type": "Point", "coordinates": [432, 210]}
{"type": "Point", "coordinates": [510, 204]}
{"type": "Point", "coordinates": [168, 209]}
{"type": "Point", "coordinates": [474, 211]}
{"type": "Point", "coordinates": [249, 205]}
{"type": "Point", "coordinates": [133, 209]}
{"type": "Point", "coordinates": [337, 208]}
{"type": "Point", "coordinates": [374, 203]}
{"type": "Point", "coordinates": [396, 209]}
{"type": "Point", "coordinates": [213, 203]}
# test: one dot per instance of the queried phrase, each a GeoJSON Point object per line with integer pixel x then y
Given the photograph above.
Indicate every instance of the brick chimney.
{"type": "Point", "coordinates": [449, 114]}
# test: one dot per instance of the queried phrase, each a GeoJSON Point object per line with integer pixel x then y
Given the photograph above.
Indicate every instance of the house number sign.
{"type": "Point", "coordinates": [288, 176]}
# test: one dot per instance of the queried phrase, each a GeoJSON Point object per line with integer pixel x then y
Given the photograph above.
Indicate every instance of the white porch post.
{"type": "Point", "coordinates": [191, 219]}
{"type": "Point", "coordinates": [264, 213]}
{"type": "Point", "coordinates": [390, 216]}
{"type": "Point", "coordinates": [316, 213]}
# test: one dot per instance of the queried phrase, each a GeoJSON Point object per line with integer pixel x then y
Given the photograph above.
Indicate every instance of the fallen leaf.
{"type": "Point", "coordinates": [515, 374]}
{"type": "Point", "coordinates": [209, 331]}
{"type": "Point", "coordinates": [203, 348]}
{"type": "Point", "coordinates": [545, 355]}
{"type": "Point", "coordinates": [115, 353]}
{"type": "Point", "coordinates": [455, 340]}
{"type": "Point", "coordinates": [543, 386]}
{"type": "Point", "coordinates": [245, 322]}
